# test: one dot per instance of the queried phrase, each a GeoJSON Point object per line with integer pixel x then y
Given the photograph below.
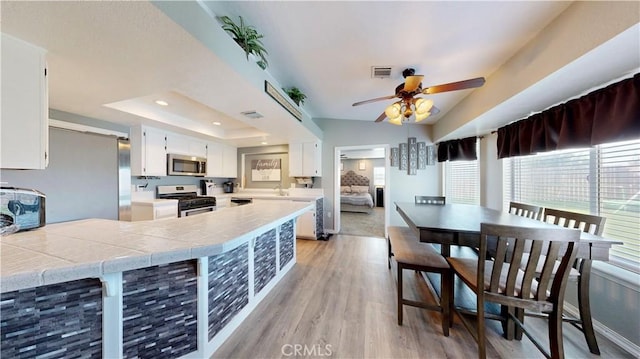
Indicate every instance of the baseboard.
{"type": "Point", "coordinates": [606, 332]}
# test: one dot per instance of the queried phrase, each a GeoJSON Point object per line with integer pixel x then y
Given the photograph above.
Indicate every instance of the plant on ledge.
{"type": "Point", "coordinates": [248, 38]}
{"type": "Point", "coordinates": [296, 95]}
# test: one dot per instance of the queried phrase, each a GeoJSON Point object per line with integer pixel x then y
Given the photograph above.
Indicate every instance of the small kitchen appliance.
{"type": "Point", "coordinates": [21, 209]}
{"type": "Point", "coordinates": [227, 187]}
{"type": "Point", "coordinates": [180, 165]}
{"type": "Point", "coordinates": [189, 203]}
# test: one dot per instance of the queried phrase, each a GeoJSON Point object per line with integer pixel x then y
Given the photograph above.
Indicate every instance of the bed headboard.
{"type": "Point", "coordinates": [352, 179]}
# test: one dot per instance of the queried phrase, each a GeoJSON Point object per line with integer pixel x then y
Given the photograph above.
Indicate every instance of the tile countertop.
{"type": "Point", "coordinates": [90, 248]}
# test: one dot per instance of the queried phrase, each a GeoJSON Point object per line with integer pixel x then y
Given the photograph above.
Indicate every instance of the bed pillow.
{"type": "Point", "coordinates": [360, 189]}
{"type": "Point", "coordinates": [345, 189]}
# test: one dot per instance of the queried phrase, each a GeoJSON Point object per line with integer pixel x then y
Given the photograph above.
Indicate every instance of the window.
{"type": "Point", "coordinates": [378, 176]}
{"type": "Point", "coordinates": [462, 182]}
{"type": "Point", "coordinates": [603, 180]}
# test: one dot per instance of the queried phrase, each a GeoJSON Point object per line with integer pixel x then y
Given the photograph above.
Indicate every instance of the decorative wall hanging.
{"type": "Point", "coordinates": [394, 157]}
{"type": "Point", "coordinates": [265, 170]}
{"type": "Point", "coordinates": [412, 156]}
{"type": "Point", "coordinates": [403, 157]}
{"type": "Point", "coordinates": [422, 155]}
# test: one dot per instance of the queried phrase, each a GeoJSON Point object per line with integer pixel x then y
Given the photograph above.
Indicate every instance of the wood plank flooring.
{"type": "Point", "coordinates": [339, 301]}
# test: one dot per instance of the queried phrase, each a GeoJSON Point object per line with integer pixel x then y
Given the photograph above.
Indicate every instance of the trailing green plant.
{"type": "Point", "coordinates": [248, 38]}
{"type": "Point", "coordinates": [296, 95]}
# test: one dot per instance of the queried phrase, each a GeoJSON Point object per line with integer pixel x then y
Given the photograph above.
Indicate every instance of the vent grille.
{"type": "Point", "coordinates": [380, 72]}
{"type": "Point", "coordinates": [252, 114]}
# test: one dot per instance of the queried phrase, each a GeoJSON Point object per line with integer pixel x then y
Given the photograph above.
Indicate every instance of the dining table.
{"type": "Point", "coordinates": [454, 224]}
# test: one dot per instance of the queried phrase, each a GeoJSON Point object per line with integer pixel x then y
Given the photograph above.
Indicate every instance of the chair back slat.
{"type": "Point", "coordinates": [529, 269]}
{"type": "Point", "coordinates": [525, 210]}
{"type": "Point", "coordinates": [514, 270]}
{"type": "Point", "coordinates": [439, 200]}
{"type": "Point", "coordinates": [585, 222]}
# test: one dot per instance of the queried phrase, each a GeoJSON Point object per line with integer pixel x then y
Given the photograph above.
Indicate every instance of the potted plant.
{"type": "Point", "coordinates": [247, 37]}
{"type": "Point", "coordinates": [296, 95]}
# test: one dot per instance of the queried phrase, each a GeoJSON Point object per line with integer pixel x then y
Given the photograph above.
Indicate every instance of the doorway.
{"type": "Point", "coordinates": [359, 162]}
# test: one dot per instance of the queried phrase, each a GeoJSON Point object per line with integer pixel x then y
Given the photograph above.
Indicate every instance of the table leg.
{"type": "Point", "coordinates": [585, 307]}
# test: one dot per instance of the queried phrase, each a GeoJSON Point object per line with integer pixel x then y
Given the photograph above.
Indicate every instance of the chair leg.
{"type": "Point", "coordinates": [555, 333]}
{"type": "Point", "coordinates": [399, 294]}
{"type": "Point", "coordinates": [518, 330]}
{"type": "Point", "coordinates": [585, 307]}
{"type": "Point", "coordinates": [482, 342]}
{"type": "Point", "coordinates": [389, 253]}
{"type": "Point", "coordinates": [445, 300]}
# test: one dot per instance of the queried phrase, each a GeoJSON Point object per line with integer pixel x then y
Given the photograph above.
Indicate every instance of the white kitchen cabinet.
{"type": "Point", "coordinates": [154, 209]}
{"type": "Point", "coordinates": [305, 159]}
{"type": "Point", "coordinates": [148, 152]}
{"type": "Point", "coordinates": [222, 160]}
{"type": "Point", "coordinates": [185, 145]}
{"type": "Point", "coordinates": [24, 129]}
{"type": "Point", "coordinates": [306, 224]}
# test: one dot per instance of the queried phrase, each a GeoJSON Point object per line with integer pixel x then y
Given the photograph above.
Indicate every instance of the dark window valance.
{"type": "Point", "coordinates": [458, 150]}
{"type": "Point", "coordinates": [606, 115]}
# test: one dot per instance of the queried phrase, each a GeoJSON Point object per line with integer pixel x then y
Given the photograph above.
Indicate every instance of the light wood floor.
{"type": "Point", "coordinates": [339, 302]}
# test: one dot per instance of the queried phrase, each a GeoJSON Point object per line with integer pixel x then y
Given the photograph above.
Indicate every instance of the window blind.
{"type": "Point", "coordinates": [462, 182]}
{"type": "Point", "coordinates": [603, 180]}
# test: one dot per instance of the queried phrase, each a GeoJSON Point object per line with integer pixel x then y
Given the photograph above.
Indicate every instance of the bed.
{"type": "Point", "coordinates": [354, 193]}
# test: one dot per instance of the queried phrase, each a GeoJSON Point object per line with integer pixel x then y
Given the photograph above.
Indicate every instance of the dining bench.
{"type": "Point", "coordinates": [409, 253]}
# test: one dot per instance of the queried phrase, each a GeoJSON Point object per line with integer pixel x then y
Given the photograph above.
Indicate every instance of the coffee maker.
{"type": "Point", "coordinates": [227, 187]}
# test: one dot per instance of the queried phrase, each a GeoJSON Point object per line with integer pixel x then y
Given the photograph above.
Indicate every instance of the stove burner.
{"type": "Point", "coordinates": [187, 197]}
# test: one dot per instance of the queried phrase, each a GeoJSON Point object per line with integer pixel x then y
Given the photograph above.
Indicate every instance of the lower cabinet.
{"type": "Point", "coordinates": [154, 209]}
{"type": "Point", "coordinates": [310, 224]}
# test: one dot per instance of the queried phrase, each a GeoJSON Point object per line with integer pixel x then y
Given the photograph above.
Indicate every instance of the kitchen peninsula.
{"type": "Point", "coordinates": [166, 288]}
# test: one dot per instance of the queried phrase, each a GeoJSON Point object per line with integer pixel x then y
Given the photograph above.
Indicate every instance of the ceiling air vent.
{"type": "Point", "coordinates": [380, 72]}
{"type": "Point", "coordinates": [252, 114]}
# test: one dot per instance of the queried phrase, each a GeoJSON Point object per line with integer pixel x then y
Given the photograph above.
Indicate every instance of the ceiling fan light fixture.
{"type": "Point", "coordinates": [393, 111]}
{"type": "Point", "coordinates": [422, 116]}
{"type": "Point", "coordinates": [396, 121]}
{"type": "Point", "coordinates": [423, 106]}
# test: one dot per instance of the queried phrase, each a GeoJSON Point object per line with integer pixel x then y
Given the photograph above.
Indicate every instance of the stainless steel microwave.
{"type": "Point", "coordinates": [181, 165]}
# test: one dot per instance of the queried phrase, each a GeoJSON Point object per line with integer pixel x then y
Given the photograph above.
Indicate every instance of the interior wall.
{"type": "Point", "coordinates": [81, 180]}
{"type": "Point", "coordinates": [401, 187]}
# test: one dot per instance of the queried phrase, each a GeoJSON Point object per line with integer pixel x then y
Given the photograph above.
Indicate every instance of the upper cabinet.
{"type": "Point", "coordinates": [148, 151]}
{"type": "Point", "coordinates": [222, 160]}
{"type": "Point", "coordinates": [185, 145]}
{"type": "Point", "coordinates": [305, 159]}
{"type": "Point", "coordinates": [24, 129]}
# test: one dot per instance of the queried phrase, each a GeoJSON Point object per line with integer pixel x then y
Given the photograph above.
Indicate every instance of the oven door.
{"type": "Point", "coordinates": [194, 211]}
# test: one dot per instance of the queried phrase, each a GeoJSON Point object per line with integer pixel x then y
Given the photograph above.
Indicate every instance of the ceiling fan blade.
{"type": "Point", "coordinates": [411, 83]}
{"type": "Point", "coordinates": [381, 117]}
{"type": "Point", "coordinates": [453, 86]}
{"type": "Point", "coordinates": [374, 100]}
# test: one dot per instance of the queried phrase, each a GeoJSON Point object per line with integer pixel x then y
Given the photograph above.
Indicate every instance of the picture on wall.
{"type": "Point", "coordinates": [265, 170]}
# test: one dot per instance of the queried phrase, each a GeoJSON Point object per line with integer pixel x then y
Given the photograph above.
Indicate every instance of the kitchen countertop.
{"type": "Point", "coordinates": [90, 248]}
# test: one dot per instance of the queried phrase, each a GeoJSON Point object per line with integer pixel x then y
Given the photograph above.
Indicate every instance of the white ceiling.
{"type": "Point", "coordinates": [112, 60]}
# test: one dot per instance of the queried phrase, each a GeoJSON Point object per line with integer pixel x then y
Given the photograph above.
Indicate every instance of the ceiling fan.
{"type": "Point", "coordinates": [409, 104]}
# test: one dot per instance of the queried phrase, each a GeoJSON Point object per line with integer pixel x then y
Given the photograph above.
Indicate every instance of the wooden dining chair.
{"type": "Point", "coordinates": [504, 282]}
{"type": "Point", "coordinates": [581, 271]}
{"type": "Point", "coordinates": [430, 200]}
{"type": "Point", "coordinates": [525, 210]}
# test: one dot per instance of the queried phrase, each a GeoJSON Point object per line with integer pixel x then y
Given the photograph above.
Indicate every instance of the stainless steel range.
{"type": "Point", "coordinates": [189, 203]}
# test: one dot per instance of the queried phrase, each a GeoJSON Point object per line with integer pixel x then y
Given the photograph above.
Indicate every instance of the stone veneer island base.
{"type": "Point", "coordinates": [186, 288]}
